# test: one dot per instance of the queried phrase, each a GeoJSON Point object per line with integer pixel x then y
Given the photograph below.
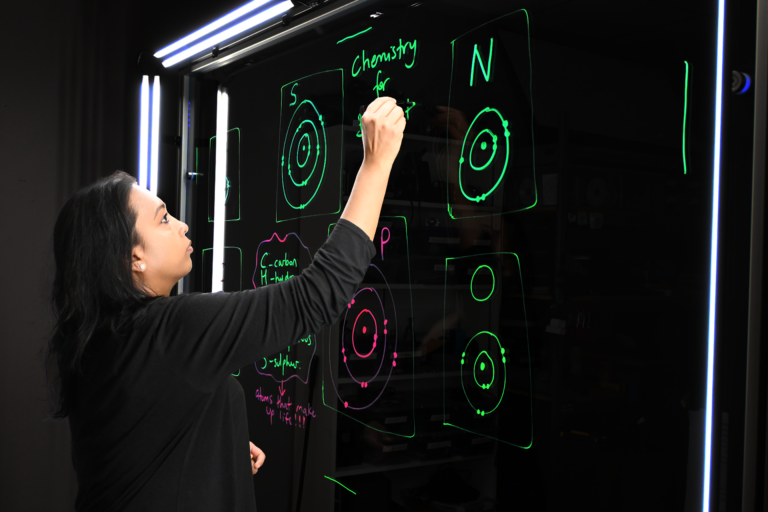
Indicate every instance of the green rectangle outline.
{"type": "Point", "coordinates": [533, 145]}
{"type": "Point", "coordinates": [210, 219]}
{"type": "Point", "coordinates": [413, 337]}
{"type": "Point", "coordinates": [527, 344]}
{"type": "Point", "coordinates": [341, 156]}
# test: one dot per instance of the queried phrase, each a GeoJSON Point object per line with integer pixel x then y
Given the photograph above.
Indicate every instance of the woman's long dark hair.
{"type": "Point", "coordinates": [93, 294]}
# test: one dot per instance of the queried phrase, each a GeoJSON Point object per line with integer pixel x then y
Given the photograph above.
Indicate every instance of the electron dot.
{"type": "Point", "coordinates": [503, 359]}
{"type": "Point", "coordinates": [506, 123]}
{"type": "Point", "coordinates": [342, 350]}
{"type": "Point", "coordinates": [463, 354]}
{"type": "Point", "coordinates": [345, 359]}
{"type": "Point", "coordinates": [395, 355]}
{"type": "Point", "coordinates": [462, 361]}
{"type": "Point", "coordinates": [478, 411]}
{"type": "Point", "coordinates": [374, 344]}
{"type": "Point", "coordinates": [502, 350]}
{"type": "Point", "coordinates": [346, 404]}
{"type": "Point", "coordinates": [385, 321]}
{"type": "Point", "coordinates": [375, 337]}
{"type": "Point", "coordinates": [482, 366]}
{"type": "Point", "coordinates": [353, 301]}
{"type": "Point", "coordinates": [385, 331]}
{"type": "Point", "coordinates": [394, 363]}
{"type": "Point", "coordinates": [363, 329]}
{"type": "Point", "coordinates": [483, 145]}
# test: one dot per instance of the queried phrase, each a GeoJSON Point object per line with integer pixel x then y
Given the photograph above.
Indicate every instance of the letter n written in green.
{"type": "Point", "coordinates": [486, 70]}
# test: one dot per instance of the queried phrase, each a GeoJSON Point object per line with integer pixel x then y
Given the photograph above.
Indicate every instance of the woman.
{"type": "Point", "coordinates": [157, 421]}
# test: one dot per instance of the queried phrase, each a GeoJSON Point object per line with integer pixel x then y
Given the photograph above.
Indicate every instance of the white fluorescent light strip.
{"type": "Point", "coordinates": [220, 184]}
{"type": "Point", "coordinates": [143, 131]}
{"type": "Point", "coordinates": [229, 33]}
{"type": "Point", "coordinates": [153, 154]}
{"type": "Point", "coordinates": [713, 259]}
{"type": "Point", "coordinates": [194, 36]}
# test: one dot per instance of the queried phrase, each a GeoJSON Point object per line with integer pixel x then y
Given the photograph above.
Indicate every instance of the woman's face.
{"type": "Point", "coordinates": [165, 251]}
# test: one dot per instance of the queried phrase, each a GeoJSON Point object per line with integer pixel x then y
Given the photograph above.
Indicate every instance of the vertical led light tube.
{"type": "Point", "coordinates": [154, 148]}
{"type": "Point", "coordinates": [220, 184]}
{"type": "Point", "coordinates": [713, 259]}
{"type": "Point", "coordinates": [685, 115]}
{"type": "Point", "coordinates": [144, 131]}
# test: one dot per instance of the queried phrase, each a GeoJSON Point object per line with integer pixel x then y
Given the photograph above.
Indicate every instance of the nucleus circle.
{"type": "Point", "coordinates": [472, 284]}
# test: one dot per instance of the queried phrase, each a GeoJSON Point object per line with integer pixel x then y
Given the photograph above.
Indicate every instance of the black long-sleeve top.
{"type": "Point", "coordinates": [159, 423]}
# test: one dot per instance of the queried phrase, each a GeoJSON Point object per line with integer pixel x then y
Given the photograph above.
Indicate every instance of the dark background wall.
{"type": "Point", "coordinates": [69, 94]}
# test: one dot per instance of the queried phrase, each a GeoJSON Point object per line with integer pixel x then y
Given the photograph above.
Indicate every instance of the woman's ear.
{"type": "Point", "coordinates": [137, 260]}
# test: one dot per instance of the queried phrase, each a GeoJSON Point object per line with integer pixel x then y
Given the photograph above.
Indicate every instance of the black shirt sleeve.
{"type": "Point", "coordinates": [206, 336]}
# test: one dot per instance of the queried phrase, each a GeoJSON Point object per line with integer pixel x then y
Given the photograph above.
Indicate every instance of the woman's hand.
{"type": "Point", "coordinates": [257, 458]}
{"type": "Point", "coordinates": [382, 126]}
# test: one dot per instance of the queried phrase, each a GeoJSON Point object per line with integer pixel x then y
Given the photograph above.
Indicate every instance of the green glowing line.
{"type": "Point", "coordinates": [301, 143]}
{"type": "Point", "coordinates": [527, 344]}
{"type": "Point", "coordinates": [236, 374]}
{"type": "Point", "coordinates": [482, 368]}
{"type": "Point", "coordinates": [505, 125]}
{"type": "Point", "coordinates": [295, 98]}
{"type": "Point", "coordinates": [290, 150]}
{"type": "Point", "coordinates": [482, 146]}
{"type": "Point", "coordinates": [340, 152]}
{"type": "Point", "coordinates": [380, 86]}
{"type": "Point", "coordinates": [211, 175]}
{"type": "Point", "coordinates": [472, 282]}
{"type": "Point", "coordinates": [481, 412]}
{"type": "Point", "coordinates": [407, 110]}
{"type": "Point", "coordinates": [317, 153]}
{"type": "Point", "coordinates": [395, 53]}
{"type": "Point", "coordinates": [350, 37]}
{"type": "Point", "coordinates": [477, 56]}
{"type": "Point", "coordinates": [455, 66]}
{"type": "Point", "coordinates": [341, 484]}
{"type": "Point", "coordinates": [685, 114]}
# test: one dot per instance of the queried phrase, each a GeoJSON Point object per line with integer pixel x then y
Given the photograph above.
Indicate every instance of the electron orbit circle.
{"type": "Point", "coordinates": [305, 141]}
{"type": "Point", "coordinates": [495, 140]}
{"type": "Point", "coordinates": [487, 385]}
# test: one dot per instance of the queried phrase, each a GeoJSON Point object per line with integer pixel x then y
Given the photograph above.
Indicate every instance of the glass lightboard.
{"type": "Point", "coordinates": [532, 333]}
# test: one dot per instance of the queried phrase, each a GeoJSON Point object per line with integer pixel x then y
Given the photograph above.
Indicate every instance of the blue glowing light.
{"type": "Point", "coordinates": [713, 259]}
{"type": "Point", "coordinates": [229, 33]}
{"type": "Point", "coordinates": [194, 36]}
